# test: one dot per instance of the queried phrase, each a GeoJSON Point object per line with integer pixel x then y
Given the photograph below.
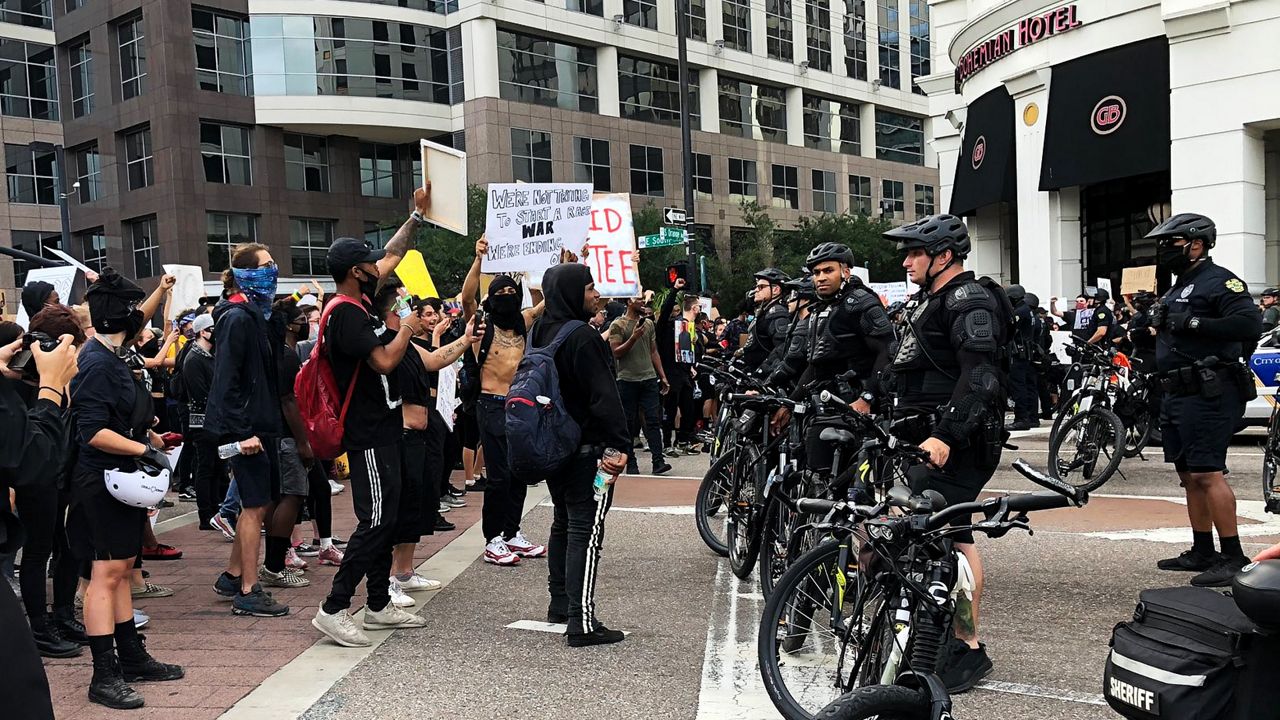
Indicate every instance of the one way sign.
{"type": "Point", "coordinates": [673, 216]}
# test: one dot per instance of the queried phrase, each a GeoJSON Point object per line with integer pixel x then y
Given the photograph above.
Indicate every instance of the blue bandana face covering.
{"type": "Point", "coordinates": [259, 284]}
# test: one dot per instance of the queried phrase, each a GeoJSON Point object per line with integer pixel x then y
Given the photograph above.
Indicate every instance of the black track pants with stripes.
{"type": "Point", "coordinates": [375, 493]}
{"type": "Point", "coordinates": [577, 539]}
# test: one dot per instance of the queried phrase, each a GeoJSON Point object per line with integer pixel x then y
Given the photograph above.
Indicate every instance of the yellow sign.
{"type": "Point", "coordinates": [415, 276]}
{"type": "Point", "coordinates": [1030, 114]}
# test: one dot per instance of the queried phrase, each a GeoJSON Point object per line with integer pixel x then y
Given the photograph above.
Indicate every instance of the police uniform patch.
{"type": "Point", "coordinates": [1235, 285]}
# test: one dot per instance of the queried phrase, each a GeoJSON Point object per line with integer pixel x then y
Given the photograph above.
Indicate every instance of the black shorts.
{"type": "Point", "coordinates": [1197, 431]}
{"type": "Point", "coordinates": [959, 481]}
{"type": "Point", "coordinates": [100, 527]}
{"type": "Point", "coordinates": [258, 476]}
{"type": "Point", "coordinates": [410, 526]}
{"type": "Point", "coordinates": [467, 426]}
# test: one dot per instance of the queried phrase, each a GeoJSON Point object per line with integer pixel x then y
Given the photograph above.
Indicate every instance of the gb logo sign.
{"type": "Point", "coordinates": [1108, 115]}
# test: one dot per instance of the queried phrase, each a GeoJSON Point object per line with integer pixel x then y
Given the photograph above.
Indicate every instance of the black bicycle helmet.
{"type": "Point", "coordinates": [1099, 294]}
{"type": "Point", "coordinates": [1191, 226]}
{"type": "Point", "coordinates": [1271, 292]}
{"type": "Point", "coordinates": [772, 275]}
{"type": "Point", "coordinates": [1033, 300]}
{"type": "Point", "coordinates": [802, 287]}
{"type": "Point", "coordinates": [1016, 293]}
{"type": "Point", "coordinates": [934, 235]}
{"type": "Point", "coordinates": [829, 251]}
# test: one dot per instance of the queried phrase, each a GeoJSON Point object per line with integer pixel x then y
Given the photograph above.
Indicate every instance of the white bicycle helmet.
{"type": "Point", "coordinates": [139, 489]}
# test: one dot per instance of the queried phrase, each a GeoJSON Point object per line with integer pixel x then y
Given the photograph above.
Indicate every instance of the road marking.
{"type": "Point", "coordinates": [1034, 691]}
{"type": "Point", "coordinates": [544, 627]}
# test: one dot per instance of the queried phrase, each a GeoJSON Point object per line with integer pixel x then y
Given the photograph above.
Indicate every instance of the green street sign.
{"type": "Point", "coordinates": [672, 235]}
{"type": "Point", "coordinates": [666, 238]}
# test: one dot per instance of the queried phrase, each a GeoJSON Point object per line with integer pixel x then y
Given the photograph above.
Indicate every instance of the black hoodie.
{"type": "Point", "coordinates": [243, 400]}
{"type": "Point", "coordinates": [584, 360]}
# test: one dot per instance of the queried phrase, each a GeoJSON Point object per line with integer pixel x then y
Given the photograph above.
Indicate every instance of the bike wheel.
{"type": "Point", "coordinates": [774, 536]}
{"type": "Point", "coordinates": [743, 526]}
{"type": "Point", "coordinates": [1065, 410]}
{"type": "Point", "coordinates": [1271, 465]}
{"type": "Point", "coordinates": [813, 629]}
{"type": "Point", "coordinates": [1137, 431]}
{"type": "Point", "coordinates": [710, 512]}
{"type": "Point", "coordinates": [885, 702]}
{"type": "Point", "coordinates": [1089, 450]}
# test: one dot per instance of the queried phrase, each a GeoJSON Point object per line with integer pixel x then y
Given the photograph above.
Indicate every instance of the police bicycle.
{"type": "Point", "coordinates": [1271, 462]}
{"type": "Point", "coordinates": [1088, 440]}
{"type": "Point", "coordinates": [857, 627]}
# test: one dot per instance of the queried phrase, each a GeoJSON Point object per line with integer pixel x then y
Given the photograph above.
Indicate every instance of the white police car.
{"type": "Point", "coordinates": [1265, 365]}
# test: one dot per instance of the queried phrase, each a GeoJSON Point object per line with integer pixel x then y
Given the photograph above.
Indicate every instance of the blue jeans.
{"type": "Point", "coordinates": [643, 395]}
{"type": "Point", "coordinates": [230, 508]}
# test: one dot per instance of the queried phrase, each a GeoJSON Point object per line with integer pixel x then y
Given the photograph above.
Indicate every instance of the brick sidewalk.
{"type": "Point", "coordinates": [225, 656]}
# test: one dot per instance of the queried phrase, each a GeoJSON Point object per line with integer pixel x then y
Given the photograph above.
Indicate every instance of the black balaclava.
{"type": "Point", "coordinates": [562, 291]}
{"type": "Point", "coordinates": [34, 294]}
{"type": "Point", "coordinates": [504, 309]}
{"type": "Point", "coordinates": [112, 300]}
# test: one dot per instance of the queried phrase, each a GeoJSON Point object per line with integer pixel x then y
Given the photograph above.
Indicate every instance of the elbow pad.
{"type": "Point", "coordinates": [961, 419]}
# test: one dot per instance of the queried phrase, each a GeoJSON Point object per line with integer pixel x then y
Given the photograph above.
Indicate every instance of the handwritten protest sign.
{"type": "Point", "coordinates": [891, 292]}
{"type": "Point", "coordinates": [527, 224]}
{"type": "Point", "coordinates": [63, 279]}
{"type": "Point", "coordinates": [187, 289]}
{"type": "Point", "coordinates": [1137, 279]}
{"type": "Point", "coordinates": [611, 239]}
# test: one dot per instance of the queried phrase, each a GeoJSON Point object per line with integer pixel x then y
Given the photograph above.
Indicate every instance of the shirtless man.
{"type": "Point", "coordinates": [498, 353]}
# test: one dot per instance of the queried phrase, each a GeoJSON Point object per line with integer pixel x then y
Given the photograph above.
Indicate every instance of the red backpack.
{"type": "Point", "coordinates": [316, 390]}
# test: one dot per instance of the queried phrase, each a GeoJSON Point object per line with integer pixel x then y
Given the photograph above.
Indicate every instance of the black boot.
{"type": "Point", "coordinates": [108, 686]}
{"type": "Point", "coordinates": [49, 641]}
{"type": "Point", "coordinates": [138, 665]}
{"type": "Point", "coordinates": [69, 627]}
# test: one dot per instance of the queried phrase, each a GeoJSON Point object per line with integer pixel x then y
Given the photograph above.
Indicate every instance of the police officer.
{"type": "Point", "coordinates": [768, 335]}
{"type": "Point", "coordinates": [1207, 325]}
{"type": "Point", "coordinates": [796, 356]}
{"type": "Point", "coordinates": [1270, 301]}
{"type": "Point", "coordinates": [1022, 376]}
{"type": "Point", "coordinates": [946, 369]}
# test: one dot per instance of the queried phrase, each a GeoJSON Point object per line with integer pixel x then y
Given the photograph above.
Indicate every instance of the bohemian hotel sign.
{"type": "Point", "coordinates": [1028, 31]}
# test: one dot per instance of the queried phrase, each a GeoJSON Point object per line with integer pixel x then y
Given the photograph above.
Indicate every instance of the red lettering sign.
{"type": "Point", "coordinates": [1027, 31]}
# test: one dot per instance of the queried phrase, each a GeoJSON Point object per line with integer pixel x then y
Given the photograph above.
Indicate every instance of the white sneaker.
{"type": "Point", "coordinates": [391, 617]}
{"type": "Point", "coordinates": [417, 583]}
{"type": "Point", "coordinates": [335, 487]}
{"type": "Point", "coordinates": [520, 545]}
{"type": "Point", "coordinates": [444, 508]}
{"type": "Point", "coordinates": [283, 579]}
{"type": "Point", "coordinates": [341, 628]}
{"type": "Point", "coordinates": [497, 553]}
{"type": "Point", "coordinates": [398, 598]}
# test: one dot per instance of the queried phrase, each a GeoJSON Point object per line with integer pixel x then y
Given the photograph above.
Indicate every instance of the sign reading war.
{"type": "Point", "coordinates": [1029, 30]}
{"type": "Point", "coordinates": [527, 224]}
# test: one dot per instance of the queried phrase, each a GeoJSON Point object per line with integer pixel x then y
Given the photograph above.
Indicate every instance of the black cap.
{"type": "Point", "coordinates": [346, 253]}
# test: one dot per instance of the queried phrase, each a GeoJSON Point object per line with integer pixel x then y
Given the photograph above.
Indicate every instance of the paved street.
{"type": "Point", "coordinates": [1050, 604]}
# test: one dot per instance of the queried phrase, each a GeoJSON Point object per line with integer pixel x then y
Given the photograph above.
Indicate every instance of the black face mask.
{"type": "Point", "coordinates": [133, 325]}
{"type": "Point", "coordinates": [1173, 258]}
{"type": "Point", "coordinates": [303, 331]}
{"type": "Point", "coordinates": [505, 310]}
{"type": "Point", "coordinates": [368, 285]}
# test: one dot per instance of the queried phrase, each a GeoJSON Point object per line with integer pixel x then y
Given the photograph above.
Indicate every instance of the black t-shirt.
{"type": "Point", "coordinates": [415, 386]}
{"type": "Point", "coordinates": [374, 418]}
{"type": "Point", "coordinates": [289, 366]}
{"type": "Point", "coordinates": [106, 397]}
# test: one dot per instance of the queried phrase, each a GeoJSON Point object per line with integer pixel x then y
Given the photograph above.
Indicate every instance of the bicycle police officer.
{"type": "Point", "coordinates": [1022, 374]}
{"type": "Point", "coordinates": [768, 340]}
{"type": "Point", "coordinates": [947, 367]}
{"type": "Point", "coordinates": [1207, 326]}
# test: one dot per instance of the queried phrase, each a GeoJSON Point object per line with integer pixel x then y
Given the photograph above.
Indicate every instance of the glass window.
{"type": "Point", "coordinates": [924, 200]}
{"type": "Point", "coordinates": [31, 13]}
{"type": "Point", "coordinates": [742, 180]}
{"type": "Point", "coordinates": [850, 130]}
{"type": "Point", "coordinates": [80, 60]}
{"type": "Point", "coordinates": [752, 111]}
{"type": "Point", "coordinates": [546, 72]}
{"type": "Point", "coordinates": [899, 138]}
{"type": "Point", "coordinates": [141, 237]}
{"type": "Point", "coordinates": [137, 156]}
{"type": "Point", "coordinates": [224, 231]}
{"type": "Point", "coordinates": [697, 20]}
{"type": "Point", "coordinates": [133, 58]}
{"type": "Point", "coordinates": [860, 194]}
{"type": "Point", "coordinates": [702, 175]}
{"type": "Point", "coordinates": [591, 163]}
{"type": "Point", "coordinates": [309, 241]}
{"type": "Point", "coordinates": [646, 171]}
{"type": "Point", "coordinates": [222, 65]}
{"type": "Point", "coordinates": [225, 152]}
{"type": "Point", "coordinates": [35, 243]}
{"type": "Point", "coordinates": [443, 7]}
{"type": "Point", "coordinates": [777, 29]}
{"type": "Point", "coordinates": [640, 12]}
{"type": "Point", "coordinates": [306, 162]}
{"type": "Point", "coordinates": [786, 187]}
{"type": "Point", "coordinates": [378, 170]}
{"type": "Point", "coordinates": [892, 203]}
{"type": "Point", "coordinates": [89, 172]}
{"type": "Point", "coordinates": [818, 32]}
{"type": "Point", "coordinates": [920, 48]}
{"type": "Point", "coordinates": [296, 55]}
{"type": "Point", "coordinates": [93, 248]}
{"type": "Point", "coordinates": [736, 15]}
{"type": "Point", "coordinates": [889, 44]}
{"type": "Point", "coordinates": [590, 7]}
{"type": "Point", "coordinates": [530, 155]}
{"type": "Point", "coordinates": [650, 90]}
{"type": "Point", "coordinates": [378, 234]}
{"type": "Point", "coordinates": [31, 174]}
{"type": "Point", "coordinates": [28, 80]}
{"type": "Point", "coordinates": [855, 39]}
{"type": "Point", "coordinates": [74, 5]}
{"type": "Point", "coordinates": [817, 112]}
{"type": "Point", "coordinates": [824, 191]}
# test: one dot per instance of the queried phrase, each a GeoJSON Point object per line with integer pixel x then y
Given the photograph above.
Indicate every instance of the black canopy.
{"type": "Point", "coordinates": [985, 172]}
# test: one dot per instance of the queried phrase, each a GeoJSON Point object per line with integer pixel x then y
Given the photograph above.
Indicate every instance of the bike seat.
{"type": "Point", "coordinates": [837, 435]}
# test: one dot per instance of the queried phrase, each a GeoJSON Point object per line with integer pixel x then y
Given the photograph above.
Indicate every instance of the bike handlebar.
{"type": "Point", "coordinates": [816, 506]}
{"type": "Point", "coordinates": [1031, 502]}
{"type": "Point", "coordinates": [1074, 494]}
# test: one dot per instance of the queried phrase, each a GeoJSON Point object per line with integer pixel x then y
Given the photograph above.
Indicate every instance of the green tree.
{"type": "Point", "coordinates": [861, 233]}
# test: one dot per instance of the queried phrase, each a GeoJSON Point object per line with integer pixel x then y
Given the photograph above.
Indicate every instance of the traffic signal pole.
{"type": "Point", "coordinates": [686, 130]}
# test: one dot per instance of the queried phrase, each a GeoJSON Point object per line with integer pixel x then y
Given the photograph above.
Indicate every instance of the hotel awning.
{"type": "Point", "coordinates": [985, 171]}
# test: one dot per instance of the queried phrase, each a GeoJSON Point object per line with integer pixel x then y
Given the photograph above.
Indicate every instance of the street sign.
{"type": "Point", "coordinates": [667, 237]}
{"type": "Point", "coordinates": [647, 241]}
{"type": "Point", "coordinates": [673, 216]}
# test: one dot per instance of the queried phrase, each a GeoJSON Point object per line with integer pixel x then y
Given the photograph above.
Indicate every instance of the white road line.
{"type": "Point", "coordinates": [536, 626]}
{"type": "Point", "coordinates": [1035, 691]}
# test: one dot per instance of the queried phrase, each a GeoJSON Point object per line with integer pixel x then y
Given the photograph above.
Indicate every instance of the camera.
{"type": "Point", "coordinates": [24, 362]}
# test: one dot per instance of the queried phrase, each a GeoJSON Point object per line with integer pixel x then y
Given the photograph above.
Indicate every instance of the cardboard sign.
{"type": "Point", "coordinates": [63, 279]}
{"type": "Point", "coordinates": [527, 224]}
{"type": "Point", "coordinates": [1105, 284]}
{"type": "Point", "coordinates": [188, 288]}
{"type": "Point", "coordinates": [1137, 279]}
{"type": "Point", "coordinates": [413, 272]}
{"type": "Point", "coordinates": [446, 393]}
{"type": "Point", "coordinates": [446, 170]}
{"type": "Point", "coordinates": [611, 238]}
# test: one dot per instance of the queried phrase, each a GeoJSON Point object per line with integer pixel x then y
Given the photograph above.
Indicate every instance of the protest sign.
{"type": "Point", "coordinates": [527, 224]}
{"type": "Point", "coordinates": [611, 239]}
{"type": "Point", "coordinates": [446, 397]}
{"type": "Point", "coordinates": [1137, 279]}
{"type": "Point", "coordinates": [63, 280]}
{"type": "Point", "coordinates": [188, 288]}
{"type": "Point", "coordinates": [413, 272]}
{"type": "Point", "coordinates": [74, 262]}
{"type": "Point", "coordinates": [446, 170]}
{"type": "Point", "coordinates": [890, 292]}
{"type": "Point", "coordinates": [1105, 284]}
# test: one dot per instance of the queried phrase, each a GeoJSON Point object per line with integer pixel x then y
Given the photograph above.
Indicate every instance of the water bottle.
{"type": "Point", "coordinates": [601, 482]}
{"type": "Point", "coordinates": [231, 449]}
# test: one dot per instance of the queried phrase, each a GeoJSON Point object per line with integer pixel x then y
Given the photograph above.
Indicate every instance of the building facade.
{"type": "Point", "coordinates": [191, 127]}
{"type": "Point", "coordinates": [1065, 130]}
